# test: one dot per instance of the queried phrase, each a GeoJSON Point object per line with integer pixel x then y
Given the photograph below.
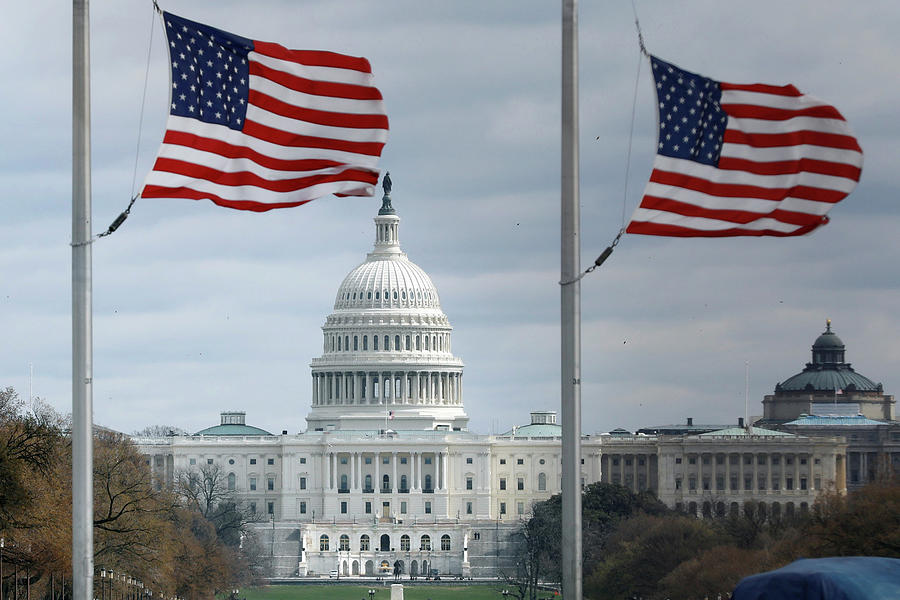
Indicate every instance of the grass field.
{"type": "Point", "coordinates": [353, 592]}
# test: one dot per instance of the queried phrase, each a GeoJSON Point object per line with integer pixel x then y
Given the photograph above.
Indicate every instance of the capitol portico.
{"type": "Point", "coordinates": [387, 471]}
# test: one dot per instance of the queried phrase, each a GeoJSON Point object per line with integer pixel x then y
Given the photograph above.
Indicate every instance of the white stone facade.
{"type": "Point", "coordinates": [387, 470]}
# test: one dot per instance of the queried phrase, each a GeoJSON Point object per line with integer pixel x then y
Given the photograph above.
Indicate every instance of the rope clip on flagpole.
{"type": "Point", "coordinates": [600, 259]}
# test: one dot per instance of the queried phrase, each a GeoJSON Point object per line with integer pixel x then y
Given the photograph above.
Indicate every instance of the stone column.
{"type": "Point", "coordinates": [415, 393]}
{"type": "Point", "coordinates": [376, 485]}
{"type": "Point", "coordinates": [741, 465]}
{"type": "Point", "coordinates": [634, 472]}
{"type": "Point", "coordinates": [315, 396]}
{"type": "Point", "coordinates": [403, 386]}
{"type": "Point", "coordinates": [796, 471]}
{"type": "Point", "coordinates": [445, 463]}
{"type": "Point", "coordinates": [394, 484]}
{"type": "Point", "coordinates": [330, 467]}
{"type": "Point", "coordinates": [728, 489]}
{"type": "Point", "coordinates": [417, 478]}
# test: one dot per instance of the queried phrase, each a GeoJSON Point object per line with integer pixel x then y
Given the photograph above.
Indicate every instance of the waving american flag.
{"type": "Point", "coordinates": [736, 159]}
{"type": "Point", "coordinates": [255, 126]}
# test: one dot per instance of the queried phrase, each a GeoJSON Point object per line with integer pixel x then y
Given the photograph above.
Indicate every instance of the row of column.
{"type": "Point", "coordinates": [416, 474]}
{"type": "Point", "coordinates": [356, 387]}
{"type": "Point", "coordinates": [784, 471]}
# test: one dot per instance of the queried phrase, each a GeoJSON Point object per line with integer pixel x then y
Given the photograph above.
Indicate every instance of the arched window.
{"type": "Point", "coordinates": [374, 342]}
{"type": "Point", "coordinates": [346, 342]}
{"type": "Point", "coordinates": [396, 343]}
{"type": "Point", "coordinates": [363, 543]}
{"type": "Point", "coordinates": [231, 480]}
{"type": "Point", "coordinates": [445, 542]}
{"type": "Point", "coordinates": [377, 296]}
{"type": "Point", "coordinates": [368, 295]}
{"type": "Point", "coordinates": [425, 543]}
{"type": "Point", "coordinates": [428, 482]}
{"type": "Point", "coordinates": [386, 483]}
{"type": "Point", "coordinates": [403, 483]}
{"type": "Point", "coordinates": [339, 343]}
{"type": "Point", "coordinates": [368, 482]}
{"type": "Point", "coordinates": [344, 482]}
{"type": "Point", "coordinates": [542, 482]}
{"type": "Point", "coordinates": [355, 343]}
{"type": "Point", "coordinates": [385, 545]}
{"type": "Point", "coordinates": [426, 342]}
{"type": "Point", "coordinates": [332, 343]}
{"type": "Point", "coordinates": [345, 543]}
{"type": "Point", "coordinates": [395, 294]}
{"type": "Point", "coordinates": [407, 343]}
{"type": "Point", "coordinates": [365, 342]}
{"type": "Point", "coordinates": [323, 543]}
{"type": "Point", "coordinates": [404, 543]}
{"type": "Point", "coordinates": [387, 343]}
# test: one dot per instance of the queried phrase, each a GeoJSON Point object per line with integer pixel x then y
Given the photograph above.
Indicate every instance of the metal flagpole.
{"type": "Point", "coordinates": [570, 310]}
{"type": "Point", "coordinates": [82, 369]}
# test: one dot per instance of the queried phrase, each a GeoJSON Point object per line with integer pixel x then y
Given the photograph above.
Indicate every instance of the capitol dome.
{"type": "Point", "coordinates": [387, 361]}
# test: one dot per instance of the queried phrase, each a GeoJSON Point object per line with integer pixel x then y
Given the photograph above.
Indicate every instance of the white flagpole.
{"type": "Point", "coordinates": [82, 352]}
{"type": "Point", "coordinates": [570, 310]}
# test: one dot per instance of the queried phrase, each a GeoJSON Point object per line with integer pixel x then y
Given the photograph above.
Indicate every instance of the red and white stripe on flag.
{"type": "Point", "coordinates": [777, 164]}
{"type": "Point", "coordinates": [256, 126]}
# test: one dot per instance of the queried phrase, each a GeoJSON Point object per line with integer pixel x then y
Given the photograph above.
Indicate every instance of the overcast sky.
{"type": "Point", "coordinates": [199, 309]}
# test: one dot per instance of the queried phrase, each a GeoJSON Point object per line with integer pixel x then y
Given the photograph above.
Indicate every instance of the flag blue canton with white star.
{"type": "Point", "coordinates": [691, 120]}
{"type": "Point", "coordinates": [210, 73]}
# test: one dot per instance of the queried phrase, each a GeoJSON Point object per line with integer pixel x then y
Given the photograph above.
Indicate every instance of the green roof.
{"type": "Point", "coordinates": [536, 430]}
{"type": "Point", "coordinates": [232, 430]}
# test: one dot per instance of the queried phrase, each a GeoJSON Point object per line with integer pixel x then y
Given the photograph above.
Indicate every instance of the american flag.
{"type": "Point", "coordinates": [735, 159]}
{"type": "Point", "coordinates": [255, 126]}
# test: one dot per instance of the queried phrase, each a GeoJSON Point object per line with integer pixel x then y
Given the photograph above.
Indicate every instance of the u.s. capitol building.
{"type": "Point", "coordinates": [387, 470]}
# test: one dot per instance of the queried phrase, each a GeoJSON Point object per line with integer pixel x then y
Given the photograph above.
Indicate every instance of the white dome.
{"type": "Point", "coordinates": [387, 282]}
{"type": "Point", "coordinates": [387, 352]}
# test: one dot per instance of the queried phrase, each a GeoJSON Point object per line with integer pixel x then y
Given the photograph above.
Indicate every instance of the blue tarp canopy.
{"type": "Point", "coordinates": [842, 578]}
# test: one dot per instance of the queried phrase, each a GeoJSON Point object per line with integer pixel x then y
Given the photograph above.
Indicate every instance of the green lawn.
{"type": "Point", "coordinates": [354, 592]}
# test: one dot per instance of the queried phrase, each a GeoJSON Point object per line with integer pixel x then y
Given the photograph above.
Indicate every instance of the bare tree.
{"type": "Point", "coordinates": [158, 431]}
{"type": "Point", "coordinates": [205, 489]}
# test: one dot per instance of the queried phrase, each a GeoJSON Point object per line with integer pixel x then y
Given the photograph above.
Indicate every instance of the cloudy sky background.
{"type": "Point", "coordinates": [199, 309]}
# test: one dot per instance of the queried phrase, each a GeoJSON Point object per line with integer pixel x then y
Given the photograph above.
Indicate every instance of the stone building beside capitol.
{"type": "Point", "coordinates": [388, 470]}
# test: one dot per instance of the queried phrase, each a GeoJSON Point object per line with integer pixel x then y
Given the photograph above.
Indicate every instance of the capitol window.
{"type": "Point", "coordinates": [404, 543]}
{"type": "Point", "coordinates": [374, 342]}
{"type": "Point", "coordinates": [365, 342]}
{"type": "Point", "coordinates": [425, 542]}
{"type": "Point", "coordinates": [428, 508]}
{"type": "Point", "coordinates": [542, 482]}
{"type": "Point", "coordinates": [252, 461]}
{"type": "Point", "coordinates": [396, 342]}
{"type": "Point", "coordinates": [407, 343]}
{"type": "Point", "coordinates": [387, 343]}
{"type": "Point", "coordinates": [303, 483]}
{"type": "Point", "coordinates": [323, 543]}
{"type": "Point", "coordinates": [355, 343]}
{"type": "Point", "coordinates": [364, 543]}
{"type": "Point", "coordinates": [445, 542]}
{"type": "Point", "coordinates": [253, 484]}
